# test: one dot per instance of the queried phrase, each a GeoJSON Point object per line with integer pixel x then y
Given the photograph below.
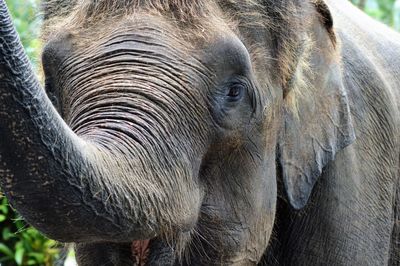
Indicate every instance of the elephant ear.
{"type": "Point", "coordinates": [317, 117]}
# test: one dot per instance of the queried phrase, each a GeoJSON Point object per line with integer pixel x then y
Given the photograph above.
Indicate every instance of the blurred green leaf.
{"type": "Point", "coordinates": [19, 255]}
{"type": "Point", "coordinates": [6, 250]}
{"type": "Point", "coordinates": [2, 218]}
{"type": "Point", "coordinates": [37, 256]}
{"type": "Point", "coordinates": [6, 234]}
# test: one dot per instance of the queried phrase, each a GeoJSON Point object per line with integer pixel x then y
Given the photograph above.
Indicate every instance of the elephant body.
{"type": "Point", "coordinates": [257, 132]}
{"type": "Point", "coordinates": [352, 217]}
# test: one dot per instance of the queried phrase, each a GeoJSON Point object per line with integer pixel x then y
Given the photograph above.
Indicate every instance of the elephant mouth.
{"type": "Point", "coordinates": [141, 251]}
{"type": "Point", "coordinates": [159, 251]}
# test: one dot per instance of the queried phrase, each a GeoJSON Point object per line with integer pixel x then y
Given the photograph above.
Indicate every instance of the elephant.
{"type": "Point", "coordinates": [226, 132]}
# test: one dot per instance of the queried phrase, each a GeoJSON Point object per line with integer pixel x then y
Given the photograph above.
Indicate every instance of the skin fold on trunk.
{"type": "Point", "coordinates": [67, 180]}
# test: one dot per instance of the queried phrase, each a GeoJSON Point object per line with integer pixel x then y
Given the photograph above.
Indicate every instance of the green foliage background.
{"type": "Point", "coordinates": [23, 245]}
{"type": "Point", "coordinates": [387, 11]}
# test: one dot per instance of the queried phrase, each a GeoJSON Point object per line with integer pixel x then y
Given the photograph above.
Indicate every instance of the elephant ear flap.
{"type": "Point", "coordinates": [317, 117]}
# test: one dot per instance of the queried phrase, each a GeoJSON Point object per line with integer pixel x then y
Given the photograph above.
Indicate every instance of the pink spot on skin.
{"type": "Point", "coordinates": [140, 251]}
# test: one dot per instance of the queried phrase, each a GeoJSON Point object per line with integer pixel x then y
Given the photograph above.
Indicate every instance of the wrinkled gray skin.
{"type": "Point", "coordinates": [202, 135]}
{"type": "Point", "coordinates": [353, 214]}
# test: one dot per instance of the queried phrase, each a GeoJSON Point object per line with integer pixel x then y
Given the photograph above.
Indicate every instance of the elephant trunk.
{"type": "Point", "coordinates": [76, 189]}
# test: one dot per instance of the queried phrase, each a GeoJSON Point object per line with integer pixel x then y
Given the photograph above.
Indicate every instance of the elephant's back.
{"type": "Point", "coordinates": [371, 61]}
{"type": "Point", "coordinates": [370, 48]}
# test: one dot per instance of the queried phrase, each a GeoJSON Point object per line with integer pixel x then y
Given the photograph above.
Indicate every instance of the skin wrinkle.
{"type": "Point", "coordinates": [88, 203]}
{"type": "Point", "coordinates": [82, 102]}
{"type": "Point", "coordinates": [127, 106]}
{"type": "Point", "coordinates": [148, 185]}
{"type": "Point", "coordinates": [145, 83]}
{"type": "Point", "coordinates": [137, 122]}
{"type": "Point", "coordinates": [104, 104]}
{"type": "Point", "coordinates": [111, 116]}
{"type": "Point", "coordinates": [155, 116]}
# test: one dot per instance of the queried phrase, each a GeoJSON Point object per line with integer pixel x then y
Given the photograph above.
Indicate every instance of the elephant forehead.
{"type": "Point", "coordinates": [125, 50]}
{"type": "Point", "coordinates": [150, 45]}
{"type": "Point", "coordinates": [227, 55]}
{"type": "Point", "coordinates": [143, 38]}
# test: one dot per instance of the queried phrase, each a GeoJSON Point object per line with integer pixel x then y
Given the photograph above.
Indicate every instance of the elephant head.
{"type": "Point", "coordinates": [164, 122]}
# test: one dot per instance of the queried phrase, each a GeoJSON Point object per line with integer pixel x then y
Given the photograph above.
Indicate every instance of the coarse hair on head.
{"type": "Point", "coordinates": [284, 22]}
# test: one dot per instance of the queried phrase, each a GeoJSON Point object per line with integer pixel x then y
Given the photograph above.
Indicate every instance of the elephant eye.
{"type": "Point", "coordinates": [235, 92]}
